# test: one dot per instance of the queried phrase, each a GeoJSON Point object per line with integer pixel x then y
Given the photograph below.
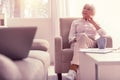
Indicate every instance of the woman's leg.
{"type": "Point", "coordinates": [83, 41]}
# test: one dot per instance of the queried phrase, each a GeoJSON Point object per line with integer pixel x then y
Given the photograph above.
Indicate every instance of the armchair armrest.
{"type": "Point", "coordinates": [109, 42]}
{"type": "Point", "coordinates": [58, 43]}
{"type": "Point", "coordinates": [40, 44]}
{"type": "Point", "coordinates": [62, 56]}
{"type": "Point", "coordinates": [58, 53]}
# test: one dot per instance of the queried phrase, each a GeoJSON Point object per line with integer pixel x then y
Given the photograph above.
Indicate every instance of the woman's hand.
{"type": "Point", "coordinates": [90, 19]}
{"type": "Point", "coordinates": [73, 41]}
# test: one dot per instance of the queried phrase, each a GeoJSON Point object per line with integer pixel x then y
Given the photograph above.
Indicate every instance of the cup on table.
{"type": "Point", "coordinates": [101, 42]}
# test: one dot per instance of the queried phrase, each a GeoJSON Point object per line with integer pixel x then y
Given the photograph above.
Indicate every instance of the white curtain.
{"type": "Point", "coordinates": [7, 7]}
{"type": "Point", "coordinates": [63, 8]}
{"type": "Point", "coordinates": [107, 14]}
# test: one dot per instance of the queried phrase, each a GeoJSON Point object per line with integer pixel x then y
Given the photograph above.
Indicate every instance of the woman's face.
{"type": "Point", "coordinates": [88, 11]}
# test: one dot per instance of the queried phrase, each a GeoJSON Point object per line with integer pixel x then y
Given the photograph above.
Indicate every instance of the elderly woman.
{"type": "Point", "coordinates": [83, 35]}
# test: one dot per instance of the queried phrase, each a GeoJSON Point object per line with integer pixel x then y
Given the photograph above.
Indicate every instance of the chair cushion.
{"type": "Point", "coordinates": [43, 56]}
{"type": "Point", "coordinates": [35, 66]}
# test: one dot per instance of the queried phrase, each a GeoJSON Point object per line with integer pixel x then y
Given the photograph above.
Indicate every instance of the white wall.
{"type": "Point", "coordinates": [44, 30]}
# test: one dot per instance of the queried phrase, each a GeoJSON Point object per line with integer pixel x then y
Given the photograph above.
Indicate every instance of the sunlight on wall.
{"type": "Point", "coordinates": [107, 15]}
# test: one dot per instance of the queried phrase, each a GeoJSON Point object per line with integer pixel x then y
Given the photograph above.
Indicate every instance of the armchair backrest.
{"type": "Point", "coordinates": [65, 24]}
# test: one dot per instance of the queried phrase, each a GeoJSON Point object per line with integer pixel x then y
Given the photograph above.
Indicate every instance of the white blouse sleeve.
{"type": "Point", "coordinates": [72, 33]}
{"type": "Point", "coordinates": [101, 32]}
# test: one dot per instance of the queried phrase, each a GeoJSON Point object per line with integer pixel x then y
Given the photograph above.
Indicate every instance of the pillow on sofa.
{"type": "Point", "coordinates": [40, 44]}
{"type": "Point", "coordinates": [8, 70]}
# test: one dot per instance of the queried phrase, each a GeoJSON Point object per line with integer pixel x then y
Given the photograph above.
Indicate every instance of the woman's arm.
{"type": "Point", "coordinates": [94, 23]}
{"type": "Point", "coordinates": [72, 33]}
{"type": "Point", "coordinates": [100, 31]}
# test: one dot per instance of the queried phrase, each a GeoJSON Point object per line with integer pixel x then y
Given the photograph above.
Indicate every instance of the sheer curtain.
{"type": "Point", "coordinates": [107, 14]}
{"type": "Point", "coordinates": [7, 7]}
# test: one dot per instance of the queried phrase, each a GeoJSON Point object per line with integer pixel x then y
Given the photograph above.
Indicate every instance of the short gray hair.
{"type": "Point", "coordinates": [92, 8]}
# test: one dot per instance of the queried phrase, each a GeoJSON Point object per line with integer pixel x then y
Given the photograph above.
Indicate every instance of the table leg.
{"type": "Point", "coordinates": [96, 71]}
{"type": "Point", "coordinates": [87, 68]}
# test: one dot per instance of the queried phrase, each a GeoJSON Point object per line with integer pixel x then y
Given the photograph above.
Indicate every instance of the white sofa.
{"type": "Point", "coordinates": [34, 67]}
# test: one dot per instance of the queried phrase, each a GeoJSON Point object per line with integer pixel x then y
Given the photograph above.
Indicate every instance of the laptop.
{"type": "Point", "coordinates": [15, 42]}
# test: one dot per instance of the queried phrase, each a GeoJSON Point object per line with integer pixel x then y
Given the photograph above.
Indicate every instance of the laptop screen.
{"type": "Point", "coordinates": [15, 42]}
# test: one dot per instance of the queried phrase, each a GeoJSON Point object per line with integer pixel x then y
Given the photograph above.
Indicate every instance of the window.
{"type": "Point", "coordinates": [25, 8]}
{"type": "Point", "coordinates": [36, 8]}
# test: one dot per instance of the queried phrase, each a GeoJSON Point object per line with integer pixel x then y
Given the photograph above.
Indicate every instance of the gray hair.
{"type": "Point", "coordinates": [92, 8]}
